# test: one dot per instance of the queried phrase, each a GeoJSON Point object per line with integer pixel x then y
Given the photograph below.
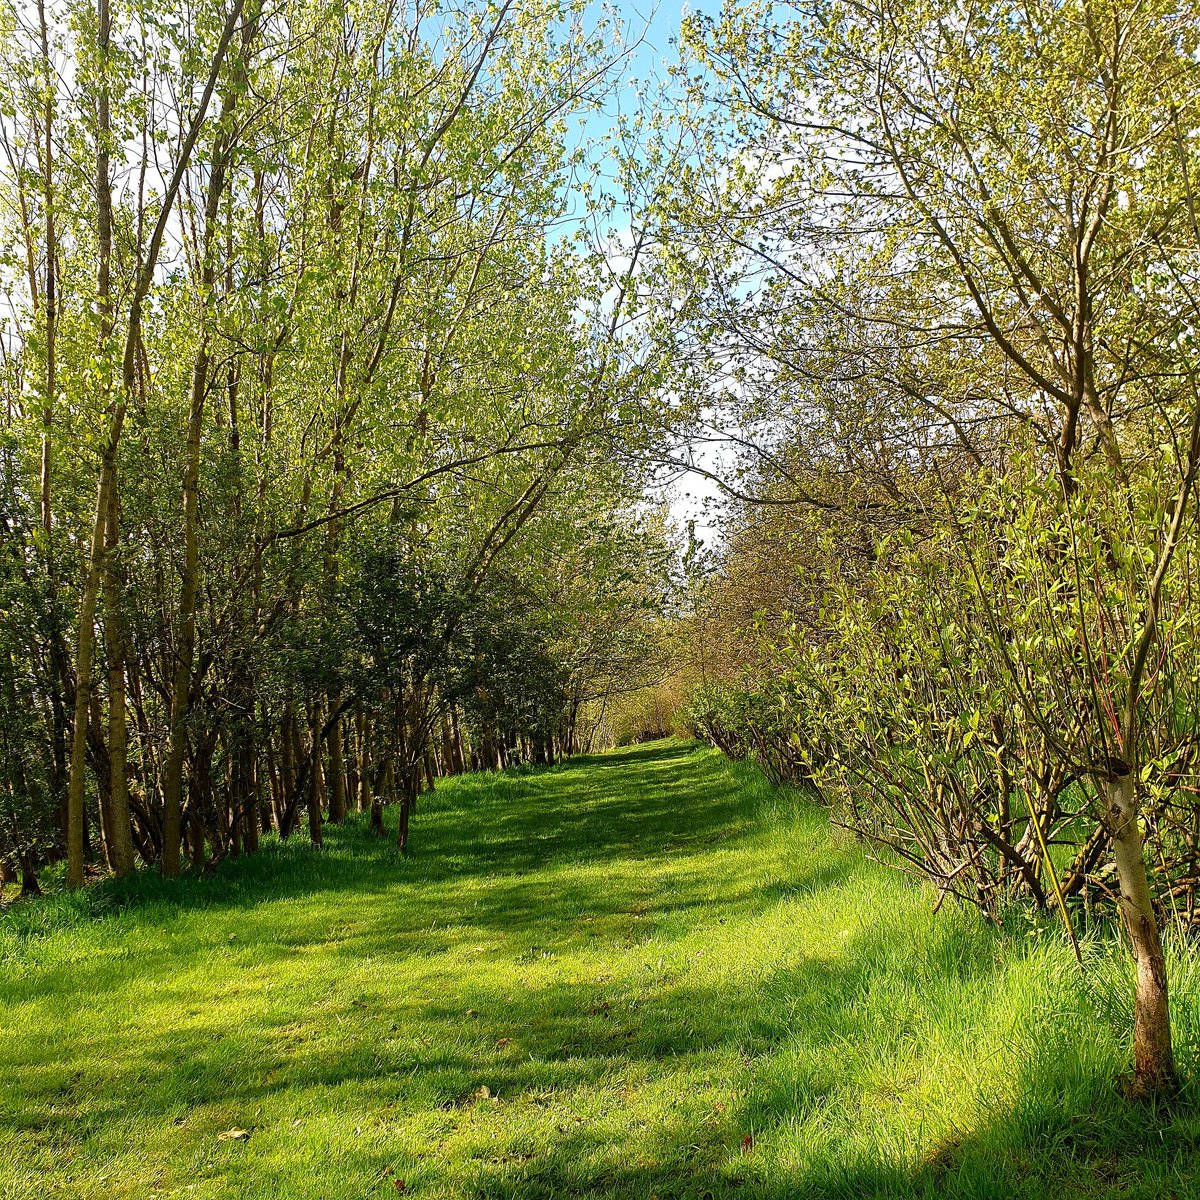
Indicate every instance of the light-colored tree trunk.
{"type": "Point", "coordinates": [1154, 1063]}
{"type": "Point", "coordinates": [185, 647]}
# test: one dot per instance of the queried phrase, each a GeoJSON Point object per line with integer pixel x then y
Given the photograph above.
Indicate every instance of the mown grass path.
{"type": "Point", "coordinates": [636, 975]}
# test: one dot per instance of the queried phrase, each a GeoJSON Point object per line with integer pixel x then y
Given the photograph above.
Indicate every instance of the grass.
{"type": "Point", "coordinates": [636, 975]}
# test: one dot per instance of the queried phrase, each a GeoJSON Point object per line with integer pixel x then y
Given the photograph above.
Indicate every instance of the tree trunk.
{"type": "Point", "coordinates": [185, 646]}
{"type": "Point", "coordinates": [287, 773]}
{"type": "Point", "coordinates": [120, 832]}
{"type": "Point", "coordinates": [85, 650]}
{"type": "Point", "coordinates": [1154, 1061]}
{"type": "Point", "coordinates": [363, 768]}
{"type": "Point", "coordinates": [408, 788]}
{"type": "Point", "coordinates": [48, 205]}
{"type": "Point", "coordinates": [195, 838]}
{"type": "Point", "coordinates": [456, 743]}
{"type": "Point", "coordinates": [85, 643]}
{"type": "Point", "coordinates": [29, 879]}
{"type": "Point", "coordinates": [337, 769]}
{"type": "Point", "coordinates": [252, 797]}
{"type": "Point", "coordinates": [57, 647]}
{"type": "Point", "coordinates": [316, 784]}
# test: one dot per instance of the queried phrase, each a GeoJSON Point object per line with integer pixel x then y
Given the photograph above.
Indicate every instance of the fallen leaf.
{"type": "Point", "coordinates": [748, 1143]}
{"type": "Point", "coordinates": [234, 1135]}
{"type": "Point", "coordinates": [400, 1185]}
{"type": "Point", "coordinates": [503, 1042]}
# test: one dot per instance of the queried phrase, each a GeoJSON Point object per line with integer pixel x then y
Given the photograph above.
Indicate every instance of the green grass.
{"type": "Point", "coordinates": [635, 975]}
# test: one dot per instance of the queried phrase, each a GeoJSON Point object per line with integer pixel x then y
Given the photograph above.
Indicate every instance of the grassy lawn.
{"type": "Point", "coordinates": [636, 975]}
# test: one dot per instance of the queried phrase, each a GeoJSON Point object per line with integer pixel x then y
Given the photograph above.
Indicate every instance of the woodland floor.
{"type": "Point", "coordinates": [636, 975]}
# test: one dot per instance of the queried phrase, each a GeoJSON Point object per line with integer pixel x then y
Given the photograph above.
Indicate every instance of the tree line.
{"type": "Point", "coordinates": [323, 442]}
{"type": "Point", "coordinates": [318, 433]}
{"type": "Point", "coordinates": [951, 255]}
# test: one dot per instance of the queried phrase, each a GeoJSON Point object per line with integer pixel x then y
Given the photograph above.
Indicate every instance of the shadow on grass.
{"type": "Point", "coordinates": [645, 802]}
{"type": "Point", "coordinates": [561, 856]}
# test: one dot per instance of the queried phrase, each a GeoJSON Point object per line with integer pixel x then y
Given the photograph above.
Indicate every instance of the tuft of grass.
{"type": "Point", "coordinates": [642, 974]}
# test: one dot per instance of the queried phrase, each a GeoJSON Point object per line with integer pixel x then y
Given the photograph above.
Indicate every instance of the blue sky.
{"type": "Point", "coordinates": [660, 23]}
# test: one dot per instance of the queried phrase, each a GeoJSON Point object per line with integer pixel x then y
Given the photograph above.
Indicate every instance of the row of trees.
{"type": "Point", "coordinates": [315, 432]}
{"type": "Point", "coordinates": [321, 445]}
{"type": "Point", "coordinates": [954, 273]}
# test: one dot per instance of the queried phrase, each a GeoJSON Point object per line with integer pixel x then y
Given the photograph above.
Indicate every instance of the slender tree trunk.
{"type": "Point", "coordinates": [456, 741]}
{"type": "Point", "coordinates": [253, 804]}
{"type": "Point", "coordinates": [316, 786]}
{"type": "Point", "coordinates": [363, 767]}
{"type": "Point", "coordinates": [103, 773]}
{"type": "Point", "coordinates": [1154, 1061]}
{"type": "Point", "coordinates": [84, 654]}
{"type": "Point", "coordinates": [73, 824]}
{"type": "Point", "coordinates": [408, 790]}
{"type": "Point", "coordinates": [102, 770]}
{"type": "Point", "coordinates": [51, 314]}
{"type": "Point", "coordinates": [287, 769]}
{"type": "Point", "coordinates": [235, 794]}
{"type": "Point", "coordinates": [447, 755]}
{"type": "Point", "coordinates": [337, 770]}
{"type": "Point", "coordinates": [380, 793]}
{"type": "Point", "coordinates": [16, 786]}
{"type": "Point", "coordinates": [29, 879]}
{"type": "Point", "coordinates": [195, 836]}
{"type": "Point", "coordinates": [276, 780]}
{"type": "Point", "coordinates": [185, 648]}
{"type": "Point", "coordinates": [351, 762]}
{"type": "Point", "coordinates": [58, 651]}
{"type": "Point", "coordinates": [121, 856]}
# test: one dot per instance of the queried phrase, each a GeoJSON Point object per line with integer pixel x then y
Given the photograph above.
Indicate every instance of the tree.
{"type": "Point", "coordinates": [308, 315]}
{"type": "Point", "coordinates": [943, 228]}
